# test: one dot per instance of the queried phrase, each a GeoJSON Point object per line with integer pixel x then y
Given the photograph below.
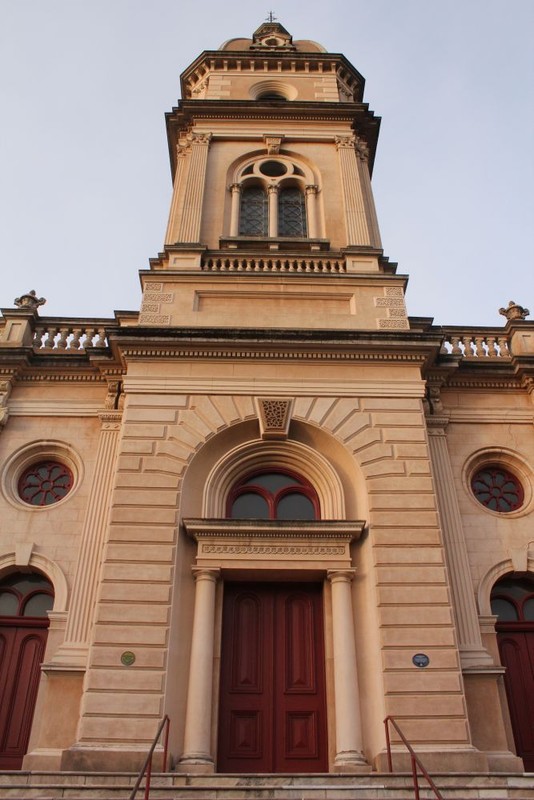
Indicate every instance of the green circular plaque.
{"type": "Point", "coordinates": [127, 658]}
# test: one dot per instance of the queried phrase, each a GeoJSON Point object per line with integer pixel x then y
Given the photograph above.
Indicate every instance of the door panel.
{"type": "Point", "coordinates": [272, 714]}
{"type": "Point", "coordinates": [516, 648]}
{"type": "Point", "coordinates": [23, 650]}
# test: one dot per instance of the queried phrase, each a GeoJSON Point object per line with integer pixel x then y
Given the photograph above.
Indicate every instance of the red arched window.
{"type": "Point", "coordinates": [273, 494]}
{"type": "Point", "coordinates": [512, 599]}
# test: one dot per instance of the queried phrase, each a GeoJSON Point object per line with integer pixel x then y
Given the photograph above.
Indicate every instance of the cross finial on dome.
{"type": "Point", "coordinates": [271, 17]}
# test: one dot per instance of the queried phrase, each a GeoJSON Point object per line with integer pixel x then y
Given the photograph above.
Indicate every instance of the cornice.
{"type": "Point", "coordinates": [269, 529]}
{"type": "Point", "coordinates": [501, 416]}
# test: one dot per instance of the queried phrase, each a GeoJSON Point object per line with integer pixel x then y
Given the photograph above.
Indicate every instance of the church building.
{"type": "Point", "coordinates": [268, 504]}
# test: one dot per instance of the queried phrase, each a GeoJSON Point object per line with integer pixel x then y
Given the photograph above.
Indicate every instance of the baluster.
{"type": "Point", "coordinates": [456, 342]}
{"type": "Point", "coordinates": [478, 342]}
{"type": "Point", "coordinates": [101, 341]}
{"type": "Point", "coordinates": [38, 337]}
{"type": "Point", "coordinates": [444, 349]}
{"type": "Point", "coordinates": [75, 341]}
{"type": "Point", "coordinates": [63, 336]}
{"type": "Point", "coordinates": [88, 341]}
{"type": "Point", "coordinates": [505, 347]}
{"type": "Point", "coordinates": [50, 337]}
{"type": "Point", "coordinates": [491, 341]}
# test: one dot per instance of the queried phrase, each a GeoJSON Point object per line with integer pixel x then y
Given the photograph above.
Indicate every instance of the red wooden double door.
{"type": "Point", "coordinates": [516, 646]}
{"type": "Point", "coordinates": [272, 712]}
{"type": "Point", "coordinates": [21, 653]}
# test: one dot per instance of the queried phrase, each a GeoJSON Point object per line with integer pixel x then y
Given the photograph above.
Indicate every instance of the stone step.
{"type": "Point", "coordinates": [174, 786]}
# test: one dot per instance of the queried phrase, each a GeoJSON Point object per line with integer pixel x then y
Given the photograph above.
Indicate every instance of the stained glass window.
{"type": "Point", "coordinates": [45, 483]}
{"type": "Point", "coordinates": [497, 489]}
{"type": "Point", "coordinates": [253, 212]}
{"type": "Point", "coordinates": [512, 599]}
{"type": "Point", "coordinates": [28, 595]}
{"type": "Point", "coordinates": [273, 495]}
{"type": "Point", "coordinates": [291, 212]}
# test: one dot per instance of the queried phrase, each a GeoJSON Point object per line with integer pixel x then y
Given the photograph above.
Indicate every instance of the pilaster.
{"type": "Point", "coordinates": [189, 230]}
{"type": "Point", "coordinates": [73, 652]}
{"type": "Point", "coordinates": [172, 227]}
{"type": "Point", "coordinates": [472, 651]}
{"type": "Point", "coordinates": [355, 217]}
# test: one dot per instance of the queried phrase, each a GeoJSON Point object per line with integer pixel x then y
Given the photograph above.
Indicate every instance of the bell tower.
{"type": "Point", "coordinates": [272, 220]}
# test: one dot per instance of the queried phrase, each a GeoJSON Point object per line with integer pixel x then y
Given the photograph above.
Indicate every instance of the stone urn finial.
{"type": "Point", "coordinates": [30, 300]}
{"type": "Point", "coordinates": [514, 311]}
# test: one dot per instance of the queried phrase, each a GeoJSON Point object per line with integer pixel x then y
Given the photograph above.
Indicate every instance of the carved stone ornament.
{"type": "Point", "coordinates": [514, 311]}
{"type": "Point", "coordinates": [273, 144]}
{"type": "Point", "coordinates": [274, 416]}
{"type": "Point", "coordinates": [29, 300]}
{"type": "Point", "coordinates": [362, 151]}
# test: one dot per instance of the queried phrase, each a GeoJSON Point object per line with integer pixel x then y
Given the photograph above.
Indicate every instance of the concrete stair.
{"type": "Point", "coordinates": [175, 786]}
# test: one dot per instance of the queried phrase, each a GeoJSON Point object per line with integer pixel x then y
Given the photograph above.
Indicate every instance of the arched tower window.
{"type": "Point", "coordinates": [273, 494]}
{"type": "Point", "coordinates": [274, 197]}
{"type": "Point", "coordinates": [291, 212]}
{"type": "Point", "coordinates": [253, 212]}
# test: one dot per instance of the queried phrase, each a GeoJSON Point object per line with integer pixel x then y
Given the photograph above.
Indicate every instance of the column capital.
{"type": "Point", "coordinates": [235, 187]}
{"type": "Point", "coordinates": [110, 420]}
{"type": "Point", "coordinates": [345, 142]}
{"type": "Point", "coordinates": [340, 575]}
{"type": "Point", "coordinates": [206, 573]}
{"type": "Point", "coordinates": [312, 188]}
{"type": "Point", "coordinates": [273, 189]}
{"type": "Point", "coordinates": [437, 426]}
{"type": "Point", "coordinates": [200, 138]}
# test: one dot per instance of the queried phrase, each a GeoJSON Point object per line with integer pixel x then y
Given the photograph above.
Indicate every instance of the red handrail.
{"type": "Point", "coordinates": [415, 761]}
{"type": "Point", "coordinates": [147, 766]}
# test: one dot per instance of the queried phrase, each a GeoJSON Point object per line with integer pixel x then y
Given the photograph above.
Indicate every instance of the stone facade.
{"type": "Point", "coordinates": [266, 352]}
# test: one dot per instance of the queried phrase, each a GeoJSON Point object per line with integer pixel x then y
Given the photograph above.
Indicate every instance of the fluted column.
{"type": "Point", "coordinates": [73, 651]}
{"type": "Point", "coordinates": [197, 737]}
{"type": "Point", "coordinates": [355, 216]}
{"type": "Point", "coordinates": [235, 189]}
{"type": "Point", "coordinates": [311, 208]}
{"type": "Point", "coordinates": [273, 211]}
{"type": "Point", "coordinates": [194, 190]}
{"type": "Point", "coordinates": [472, 651]}
{"type": "Point", "coordinates": [349, 744]}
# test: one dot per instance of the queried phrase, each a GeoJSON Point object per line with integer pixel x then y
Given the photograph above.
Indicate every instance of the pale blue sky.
{"type": "Point", "coordinates": [84, 173]}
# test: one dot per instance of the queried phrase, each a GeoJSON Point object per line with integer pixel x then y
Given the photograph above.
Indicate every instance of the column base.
{"type": "Point", "coordinates": [196, 765]}
{"type": "Point", "coordinates": [351, 761]}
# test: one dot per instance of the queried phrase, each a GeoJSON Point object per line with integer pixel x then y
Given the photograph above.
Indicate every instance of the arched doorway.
{"type": "Point", "coordinates": [25, 600]}
{"type": "Point", "coordinates": [512, 600]}
{"type": "Point", "coordinates": [272, 699]}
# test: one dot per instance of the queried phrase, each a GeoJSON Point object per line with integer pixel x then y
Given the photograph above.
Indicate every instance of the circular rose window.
{"type": "Point", "coordinates": [497, 489]}
{"type": "Point", "coordinates": [44, 483]}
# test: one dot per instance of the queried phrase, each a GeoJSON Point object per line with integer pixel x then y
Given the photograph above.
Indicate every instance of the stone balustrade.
{"type": "Point", "coordinates": [475, 344]}
{"type": "Point", "coordinates": [322, 266]}
{"type": "Point", "coordinates": [67, 336]}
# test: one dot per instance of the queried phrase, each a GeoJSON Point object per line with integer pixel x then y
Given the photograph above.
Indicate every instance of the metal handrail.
{"type": "Point", "coordinates": [147, 766]}
{"type": "Point", "coordinates": [415, 761]}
